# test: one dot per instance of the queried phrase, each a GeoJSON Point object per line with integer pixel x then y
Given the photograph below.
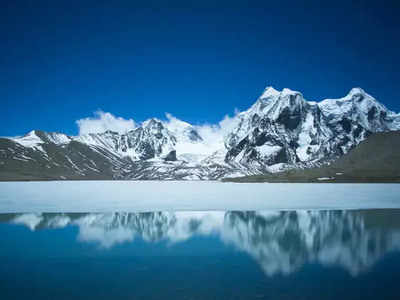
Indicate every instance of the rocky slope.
{"type": "Point", "coordinates": [280, 131]}
{"type": "Point", "coordinates": [283, 128]}
{"type": "Point", "coordinates": [373, 160]}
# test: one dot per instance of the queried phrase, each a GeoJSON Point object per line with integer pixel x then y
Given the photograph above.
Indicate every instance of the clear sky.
{"type": "Point", "coordinates": [62, 60]}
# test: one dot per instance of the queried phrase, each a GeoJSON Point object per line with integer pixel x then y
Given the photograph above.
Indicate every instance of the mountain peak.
{"type": "Point", "coordinates": [356, 91]}
{"type": "Point", "coordinates": [361, 98]}
{"type": "Point", "coordinates": [287, 91]}
{"type": "Point", "coordinates": [152, 122]}
{"type": "Point", "coordinates": [269, 91]}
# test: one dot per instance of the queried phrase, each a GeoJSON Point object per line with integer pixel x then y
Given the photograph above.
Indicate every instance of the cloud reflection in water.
{"type": "Point", "coordinates": [280, 241]}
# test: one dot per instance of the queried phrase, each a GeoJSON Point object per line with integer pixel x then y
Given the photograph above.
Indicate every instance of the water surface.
{"type": "Point", "coordinates": [262, 254]}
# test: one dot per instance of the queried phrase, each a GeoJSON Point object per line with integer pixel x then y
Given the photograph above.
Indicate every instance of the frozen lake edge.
{"type": "Point", "coordinates": [144, 196]}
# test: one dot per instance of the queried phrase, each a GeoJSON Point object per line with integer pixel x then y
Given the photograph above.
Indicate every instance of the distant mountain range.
{"type": "Point", "coordinates": [280, 131]}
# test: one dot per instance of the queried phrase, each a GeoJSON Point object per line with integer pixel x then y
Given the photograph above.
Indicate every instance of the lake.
{"type": "Point", "coordinates": [198, 240]}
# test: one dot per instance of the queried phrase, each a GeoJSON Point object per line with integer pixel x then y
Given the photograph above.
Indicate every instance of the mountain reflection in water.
{"type": "Point", "coordinates": [280, 241]}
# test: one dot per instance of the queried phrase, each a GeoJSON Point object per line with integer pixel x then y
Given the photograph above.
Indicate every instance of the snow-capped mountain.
{"type": "Point", "coordinates": [149, 141]}
{"type": "Point", "coordinates": [281, 130]}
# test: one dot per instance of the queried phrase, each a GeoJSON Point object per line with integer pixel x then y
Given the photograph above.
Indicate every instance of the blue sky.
{"type": "Point", "coordinates": [60, 61]}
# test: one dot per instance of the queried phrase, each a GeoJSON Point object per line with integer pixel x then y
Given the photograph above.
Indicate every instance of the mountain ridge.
{"type": "Point", "coordinates": [373, 160]}
{"type": "Point", "coordinates": [280, 131]}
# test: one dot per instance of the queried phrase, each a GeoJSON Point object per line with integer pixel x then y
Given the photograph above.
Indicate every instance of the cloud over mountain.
{"type": "Point", "coordinates": [103, 121]}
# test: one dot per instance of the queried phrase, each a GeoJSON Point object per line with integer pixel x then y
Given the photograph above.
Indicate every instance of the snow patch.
{"type": "Point", "coordinates": [267, 150]}
{"type": "Point", "coordinates": [325, 178]}
{"type": "Point", "coordinates": [29, 140]}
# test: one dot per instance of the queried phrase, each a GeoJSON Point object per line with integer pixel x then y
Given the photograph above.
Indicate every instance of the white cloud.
{"type": "Point", "coordinates": [103, 121]}
{"type": "Point", "coordinates": [214, 134]}
{"type": "Point", "coordinates": [175, 125]}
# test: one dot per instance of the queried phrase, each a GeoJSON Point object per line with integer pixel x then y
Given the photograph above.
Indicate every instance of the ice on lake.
{"type": "Point", "coordinates": [142, 196]}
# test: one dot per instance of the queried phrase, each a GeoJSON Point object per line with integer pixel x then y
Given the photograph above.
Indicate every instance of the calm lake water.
{"type": "Point", "coordinates": [267, 254]}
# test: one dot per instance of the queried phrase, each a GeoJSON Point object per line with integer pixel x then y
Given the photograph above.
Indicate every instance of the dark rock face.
{"type": "Point", "coordinates": [171, 156]}
{"type": "Point", "coordinates": [233, 152]}
{"type": "Point", "coordinates": [346, 125]}
{"type": "Point", "coordinates": [194, 136]}
{"type": "Point", "coordinates": [290, 120]}
{"type": "Point", "coordinates": [372, 113]}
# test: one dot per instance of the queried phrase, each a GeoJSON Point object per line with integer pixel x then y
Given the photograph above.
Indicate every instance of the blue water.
{"type": "Point", "coordinates": [201, 255]}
